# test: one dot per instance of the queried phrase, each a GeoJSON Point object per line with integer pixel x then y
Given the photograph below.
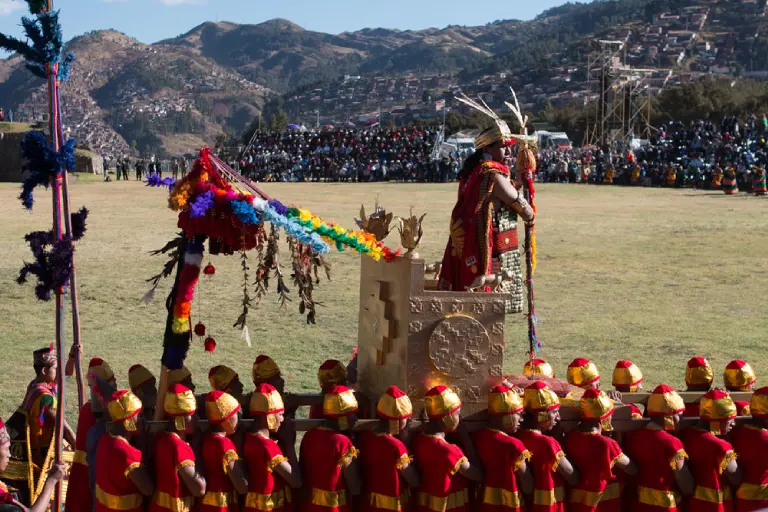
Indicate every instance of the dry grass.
{"type": "Point", "coordinates": [652, 275]}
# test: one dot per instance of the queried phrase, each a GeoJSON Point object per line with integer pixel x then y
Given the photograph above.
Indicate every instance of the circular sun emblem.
{"type": "Point", "coordinates": [458, 345]}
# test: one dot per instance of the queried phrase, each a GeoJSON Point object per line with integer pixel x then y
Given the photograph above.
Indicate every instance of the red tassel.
{"type": "Point", "coordinates": [200, 329]}
{"type": "Point", "coordinates": [209, 270]}
{"type": "Point", "coordinates": [210, 345]}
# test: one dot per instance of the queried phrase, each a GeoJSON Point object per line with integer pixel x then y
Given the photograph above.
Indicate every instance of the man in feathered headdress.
{"type": "Point", "coordinates": [484, 237]}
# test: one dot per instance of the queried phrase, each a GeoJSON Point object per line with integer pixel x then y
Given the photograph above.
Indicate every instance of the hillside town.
{"type": "Point", "coordinates": [671, 49]}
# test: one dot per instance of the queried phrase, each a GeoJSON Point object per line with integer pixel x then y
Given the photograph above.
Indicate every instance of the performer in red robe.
{"type": "Point", "coordinates": [178, 481]}
{"type": "Point", "coordinates": [384, 458]}
{"type": "Point", "coordinates": [270, 473]}
{"type": "Point", "coordinates": [328, 457]}
{"type": "Point", "coordinates": [596, 456]}
{"type": "Point", "coordinates": [225, 475]}
{"type": "Point", "coordinates": [583, 374]}
{"type": "Point", "coordinates": [483, 230]}
{"type": "Point", "coordinates": [660, 457]}
{"type": "Point", "coordinates": [538, 367]}
{"type": "Point", "coordinates": [713, 461]}
{"type": "Point", "coordinates": [739, 376]}
{"type": "Point", "coordinates": [266, 371]}
{"type": "Point", "coordinates": [144, 386]}
{"type": "Point", "coordinates": [79, 493]}
{"type": "Point", "coordinates": [331, 373]}
{"type": "Point", "coordinates": [627, 378]}
{"type": "Point", "coordinates": [504, 457]}
{"type": "Point", "coordinates": [122, 481]}
{"type": "Point", "coordinates": [698, 377]}
{"type": "Point", "coordinates": [751, 443]}
{"type": "Point", "coordinates": [223, 378]}
{"type": "Point", "coordinates": [548, 461]}
{"type": "Point", "coordinates": [444, 468]}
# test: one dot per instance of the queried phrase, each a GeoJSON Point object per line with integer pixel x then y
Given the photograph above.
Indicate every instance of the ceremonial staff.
{"type": "Point", "coordinates": [47, 164]}
{"type": "Point", "coordinates": [526, 166]}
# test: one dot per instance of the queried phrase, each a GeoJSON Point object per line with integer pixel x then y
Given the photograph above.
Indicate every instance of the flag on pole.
{"type": "Point", "coordinates": [440, 105]}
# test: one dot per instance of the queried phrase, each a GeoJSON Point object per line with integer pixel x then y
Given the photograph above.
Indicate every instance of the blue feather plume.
{"type": "Point", "coordinates": [43, 163]}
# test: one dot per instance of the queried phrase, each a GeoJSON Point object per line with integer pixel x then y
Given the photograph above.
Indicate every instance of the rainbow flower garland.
{"type": "Point", "coordinates": [209, 206]}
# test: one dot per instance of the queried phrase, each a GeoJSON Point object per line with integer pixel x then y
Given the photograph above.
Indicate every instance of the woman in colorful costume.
{"type": "Point", "coordinates": [79, 495]}
{"type": "Point", "coordinates": [484, 234]}
{"type": "Point", "coordinates": [55, 475]}
{"type": "Point", "coordinates": [271, 475]}
{"type": "Point", "coordinates": [713, 461]}
{"type": "Point", "coordinates": [730, 185]}
{"type": "Point", "coordinates": [751, 443]}
{"type": "Point", "coordinates": [504, 458]}
{"type": "Point", "coordinates": [388, 471]}
{"type": "Point", "coordinates": [224, 472]}
{"type": "Point", "coordinates": [549, 464]}
{"type": "Point", "coordinates": [177, 479]}
{"type": "Point", "coordinates": [32, 427]}
{"type": "Point", "coordinates": [329, 459]}
{"type": "Point", "coordinates": [758, 180]}
{"type": "Point", "coordinates": [122, 481]}
{"type": "Point", "coordinates": [445, 469]}
{"type": "Point", "coordinates": [663, 471]}
{"type": "Point", "coordinates": [597, 456]}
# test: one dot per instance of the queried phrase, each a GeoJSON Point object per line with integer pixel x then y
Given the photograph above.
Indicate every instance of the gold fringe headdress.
{"type": "Point", "coordinates": [179, 403]}
{"type": "Point", "coordinates": [498, 132]}
{"type": "Point", "coordinates": [267, 402]}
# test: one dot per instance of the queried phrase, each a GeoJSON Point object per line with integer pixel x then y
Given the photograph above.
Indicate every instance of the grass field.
{"type": "Point", "coordinates": [652, 275]}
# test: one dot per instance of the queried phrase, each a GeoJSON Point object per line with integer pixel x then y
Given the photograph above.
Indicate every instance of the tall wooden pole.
{"type": "Point", "coordinates": [532, 341]}
{"type": "Point", "coordinates": [73, 297]}
{"type": "Point", "coordinates": [56, 185]}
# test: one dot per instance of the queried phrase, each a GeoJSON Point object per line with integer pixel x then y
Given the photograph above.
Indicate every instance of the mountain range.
{"type": "Point", "coordinates": [181, 92]}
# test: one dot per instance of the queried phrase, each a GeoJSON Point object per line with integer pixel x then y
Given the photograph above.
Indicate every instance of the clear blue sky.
{"type": "Point", "coordinates": [153, 20]}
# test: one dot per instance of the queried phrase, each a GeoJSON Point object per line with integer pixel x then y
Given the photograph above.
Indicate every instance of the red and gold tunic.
{"type": "Point", "coordinates": [655, 453]}
{"type": "Point", "coordinates": [79, 495]}
{"type": "Point", "coordinates": [751, 443]}
{"type": "Point", "coordinates": [442, 488]}
{"type": "Point", "coordinates": [218, 452]}
{"type": "Point", "coordinates": [171, 455]}
{"type": "Point", "coordinates": [598, 488]}
{"type": "Point", "coordinates": [115, 491]}
{"type": "Point", "coordinates": [546, 453]}
{"type": "Point", "coordinates": [709, 455]}
{"type": "Point", "coordinates": [501, 455]}
{"type": "Point", "coordinates": [382, 456]}
{"type": "Point", "coordinates": [324, 452]}
{"type": "Point", "coordinates": [266, 491]}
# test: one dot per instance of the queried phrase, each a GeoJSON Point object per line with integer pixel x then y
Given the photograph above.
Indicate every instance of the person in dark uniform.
{"type": "Point", "coordinates": [140, 168]}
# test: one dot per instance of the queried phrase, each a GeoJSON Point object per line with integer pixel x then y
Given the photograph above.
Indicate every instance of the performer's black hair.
{"type": "Point", "coordinates": [470, 163]}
